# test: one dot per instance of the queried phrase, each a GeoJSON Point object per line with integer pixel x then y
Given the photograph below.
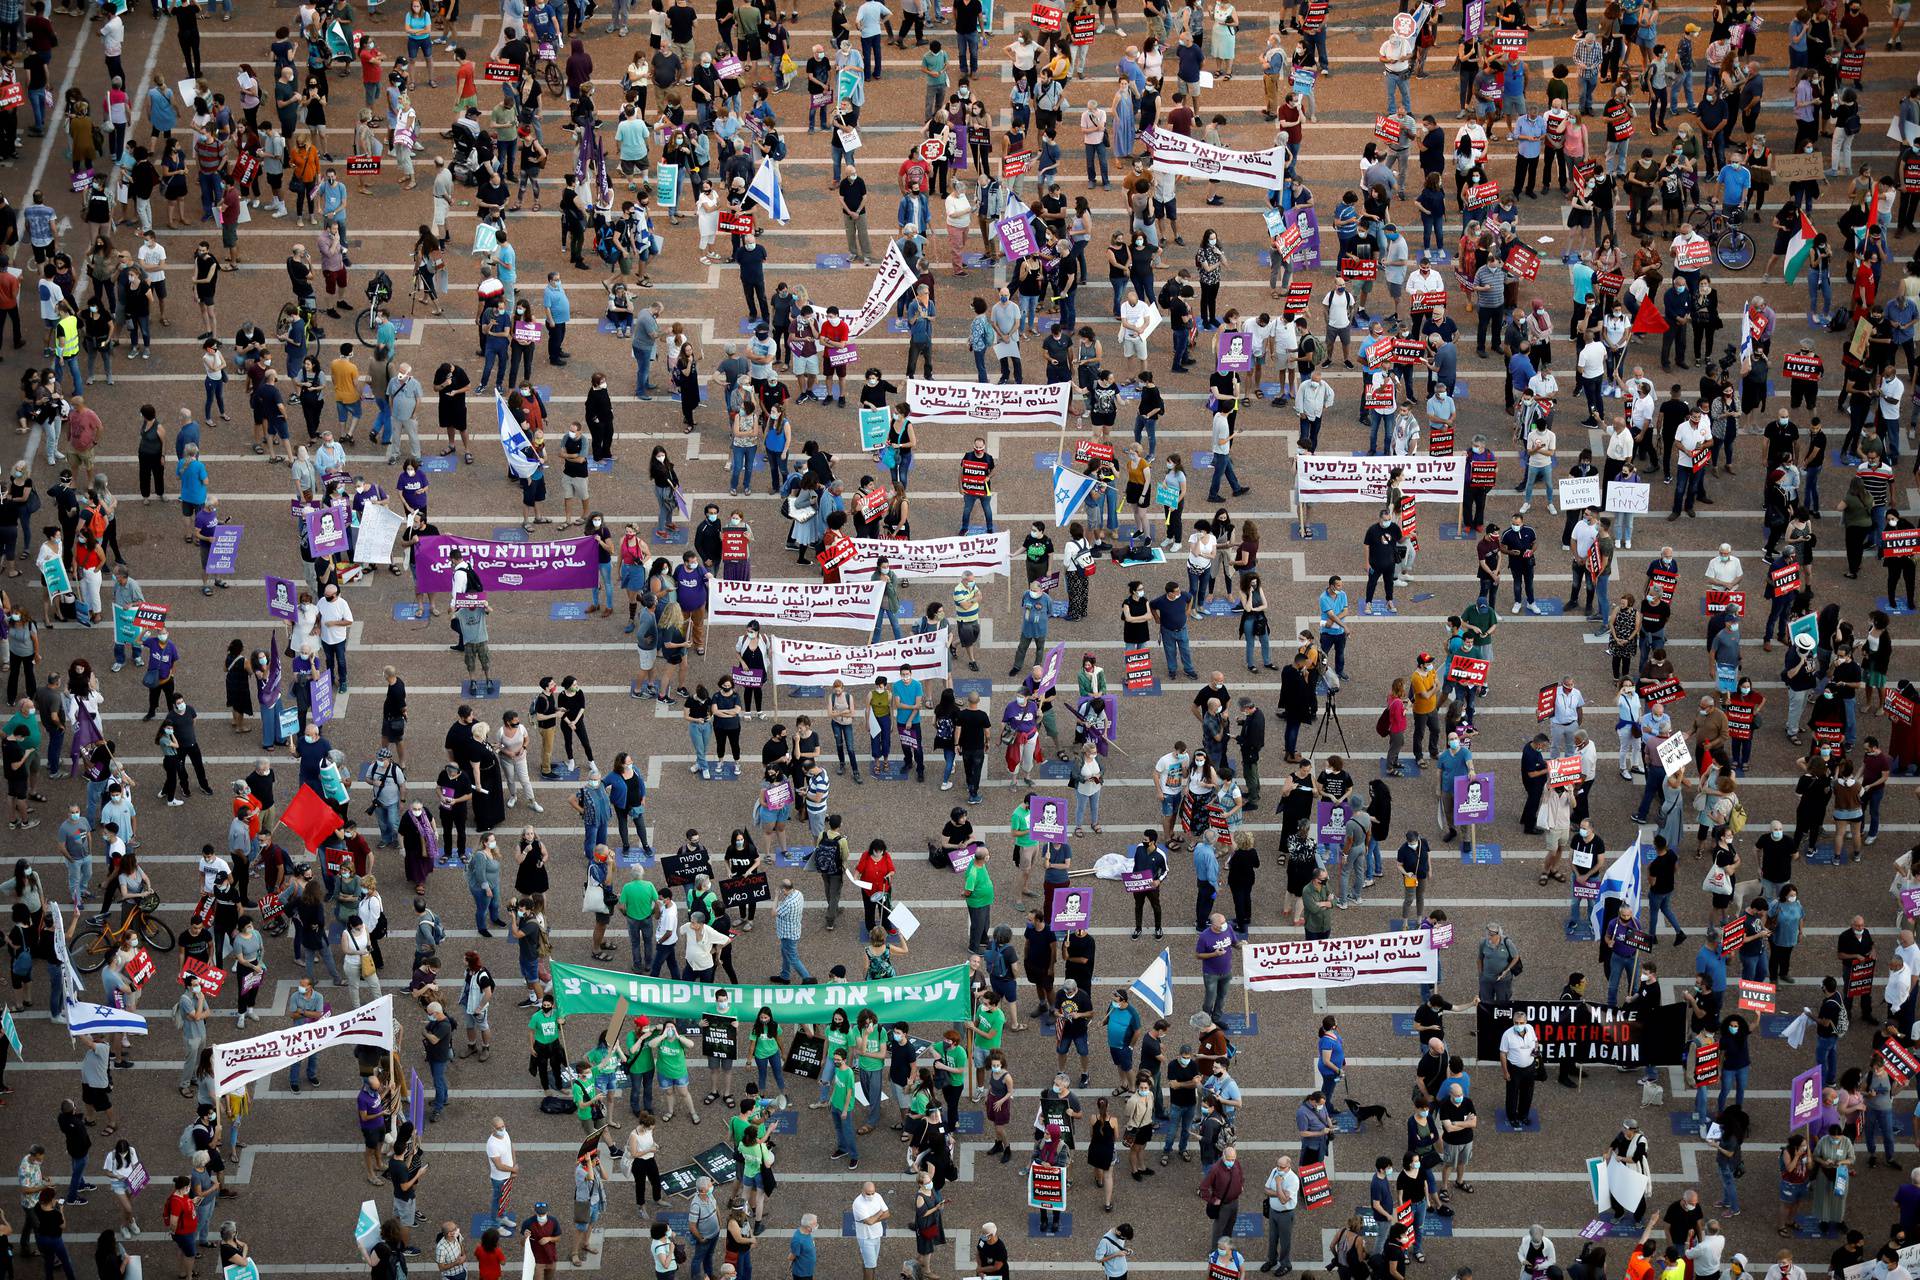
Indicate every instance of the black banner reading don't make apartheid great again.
{"type": "Point", "coordinates": [1579, 1031]}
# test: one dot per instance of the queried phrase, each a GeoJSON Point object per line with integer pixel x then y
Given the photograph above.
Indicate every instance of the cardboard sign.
{"type": "Point", "coordinates": [777, 796]}
{"type": "Point", "coordinates": [1139, 668]}
{"type": "Point", "coordinates": [1902, 1065]}
{"type": "Point", "coordinates": [1016, 165]}
{"type": "Point", "coordinates": [728, 67]}
{"type": "Point", "coordinates": [1045, 17]}
{"type": "Point", "coordinates": [1387, 128]}
{"type": "Point", "coordinates": [1083, 28]}
{"type": "Point", "coordinates": [1706, 1063]}
{"type": "Point", "coordinates": [363, 164]}
{"type": "Point", "coordinates": [1608, 283]}
{"type": "Point", "coordinates": [1859, 978]}
{"type": "Point", "coordinates": [1579, 492]}
{"type": "Point", "coordinates": [1674, 753]}
{"type": "Point", "coordinates": [975, 477]}
{"type": "Point", "coordinates": [1664, 580]}
{"type": "Point", "coordinates": [1316, 1191]}
{"type": "Point", "coordinates": [1543, 703]}
{"type": "Point", "coordinates": [733, 544]}
{"type": "Point", "coordinates": [841, 357]}
{"type": "Point", "coordinates": [499, 71]}
{"type": "Point", "coordinates": [1784, 578]}
{"type": "Point", "coordinates": [1734, 602]}
{"type": "Point", "coordinates": [211, 979]}
{"type": "Point", "coordinates": [933, 150]}
{"type": "Point", "coordinates": [718, 1036]}
{"type": "Point", "coordinates": [1734, 934]}
{"type": "Point", "coordinates": [1523, 261]}
{"type": "Point", "coordinates": [740, 891]}
{"type": "Point", "coordinates": [1359, 268]}
{"type": "Point", "coordinates": [1440, 441]}
{"type": "Point", "coordinates": [1757, 996]}
{"type": "Point", "coordinates": [1692, 253]}
{"type": "Point", "coordinates": [1664, 690]}
{"type": "Point", "coordinates": [872, 502]}
{"type": "Point", "coordinates": [12, 95]}
{"type": "Point", "coordinates": [1510, 41]}
{"type": "Point", "coordinates": [1898, 544]}
{"type": "Point", "coordinates": [1563, 771]}
{"type": "Point", "coordinates": [1803, 368]}
{"type": "Point", "coordinates": [1299, 296]}
{"type": "Point", "coordinates": [685, 868]}
{"type": "Point", "coordinates": [806, 1056]}
{"type": "Point", "coordinates": [1900, 708]}
{"type": "Point", "coordinates": [1482, 194]}
{"type": "Point", "coordinates": [1471, 672]}
{"type": "Point", "coordinates": [737, 224]}
{"type": "Point", "coordinates": [140, 969]}
{"type": "Point", "coordinates": [1046, 1183]}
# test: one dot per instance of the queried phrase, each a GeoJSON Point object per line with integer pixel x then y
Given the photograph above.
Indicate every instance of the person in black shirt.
{"type": "Point", "coordinates": [1856, 945]}
{"type": "Point", "coordinates": [1660, 877]}
{"type": "Point", "coordinates": [971, 727]}
{"type": "Point", "coordinates": [1182, 1096]}
{"type": "Point", "coordinates": [990, 1251]}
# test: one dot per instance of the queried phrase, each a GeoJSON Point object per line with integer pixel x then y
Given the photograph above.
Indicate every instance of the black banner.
{"type": "Point", "coordinates": [742, 891]}
{"type": "Point", "coordinates": [1579, 1031]}
{"type": "Point", "coordinates": [806, 1056]}
{"type": "Point", "coordinates": [718, 1036]}
{"type": "Point", "coordinates": [685, 868]}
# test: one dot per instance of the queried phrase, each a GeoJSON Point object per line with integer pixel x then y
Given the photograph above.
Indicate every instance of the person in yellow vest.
{"type": "Point", "coordinates": [66, 345]}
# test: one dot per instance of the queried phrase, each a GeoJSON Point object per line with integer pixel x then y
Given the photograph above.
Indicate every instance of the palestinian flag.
{"type": "Point", "coordinates": [1798, 249]}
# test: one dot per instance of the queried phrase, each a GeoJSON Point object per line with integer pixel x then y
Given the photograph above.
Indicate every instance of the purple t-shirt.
{"type": "Point", "coordinates": [690, 587]}
{"type": "Point", "coordinates": [161, 657]}
{"type": "Point", "coordinates": [1211, 961]}
{"type": "Point", "coordinates": [413, 490]}
{"type": "Point", "coordinates": [1024, 719]}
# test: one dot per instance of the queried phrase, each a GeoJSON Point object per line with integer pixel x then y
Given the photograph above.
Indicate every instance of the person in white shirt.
{"type": "Point", "coordinates": [1339, 304]}
{"type": "Point", "coordinates": [501, 1169]}
{"type": "Point", "coordinates": [1536, 1252]}
{"type": "Point", "coordinates": [1569, 711]}
{"type": "Point", "coordinates": [1705, 1256]}
{"type": "Point", "coordinates": [1544, 385]}
{"type": "Point", "coordinates": [870, 1214]}
{"type": "Point", "coordinates": [1723, 571]}
{"type": "Point", "coordinates": [1591, 365]}
{"type": "Point", "coordinates": [336, 622]}
{"type": "Point", "coordinates": [1615, 328]}
{"type": "Point", "coordinates": [1892, 392]}
{"type": "Point", "coordinates": [1136, 317]}
{"type": "Point", "coordinates": [1283, 1199]}
{"type": "Point", "coordinates": [1541, 443]}
{"type": "Point", "coordinates": [1286, 359]}
{"type": "Point", "coordinates": [1519, 1046]}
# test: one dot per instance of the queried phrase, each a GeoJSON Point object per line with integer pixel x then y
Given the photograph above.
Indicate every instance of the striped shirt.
{"type": "Point", "coordinates": [966, 602]}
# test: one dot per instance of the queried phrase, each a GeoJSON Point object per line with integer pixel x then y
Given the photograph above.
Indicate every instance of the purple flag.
{"type": "Point", "coordinates": [223, 552]}
{"type": "Point", "coordinates": [1050, 667]}
{"type": "Point", "coordinates": [416, 1102]}
{"type": "Point", "coordinates": [271, 687]}
{"type": "Point", "coordinates": [566, 564]}
{"type": "Point", "coordinates": [283, 598]}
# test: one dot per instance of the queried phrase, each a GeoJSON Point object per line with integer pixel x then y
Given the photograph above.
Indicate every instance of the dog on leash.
{"type": "Point", "coordinates": [1362, 1113]}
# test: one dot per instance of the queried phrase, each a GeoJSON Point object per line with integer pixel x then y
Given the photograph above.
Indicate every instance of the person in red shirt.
{"type": "Point", "coordinates": [369, 56]}
{"type": "Point", "coordinates": [488, 1257]}
{"type": "Point", "coordinates": [465, 93]}
{"type": "Point", "coordinates": [543, 1233]}
{"type": "Point", "coordinates": [834, 547]}
{"type": "Point", "coordinates": [183, 1224]}
{"type": "Point", "coordinates": [835, 332]}
{"type": "Point", "coordinates": [875, 871]}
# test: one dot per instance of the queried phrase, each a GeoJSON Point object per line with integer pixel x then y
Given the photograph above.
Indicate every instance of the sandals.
{"type": "Point", "coordinates": [1543, 877]}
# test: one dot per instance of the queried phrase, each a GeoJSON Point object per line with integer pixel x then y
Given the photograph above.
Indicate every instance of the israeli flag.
{"type": "Point", "coordinates": [99, 1019]}
{"type": "Point", "coordinates": [1070, 489]}
{"type": "Point", "coordinates": [1622, 881]}
{"type": "Point", "coordinates": [765, 191]}
{"type": "Point", "coordinates": [513, 441]}
{"type": "Point", "coordinates": [1154, 988]}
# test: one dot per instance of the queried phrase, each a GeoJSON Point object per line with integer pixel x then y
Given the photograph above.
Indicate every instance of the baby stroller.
{"type": "Point", "coordinates": [472, 150]}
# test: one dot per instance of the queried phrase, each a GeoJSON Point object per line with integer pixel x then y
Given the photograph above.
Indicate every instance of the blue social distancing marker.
{"type": "Point", "coordinates": [1551, 608]}
{"type": "Point", "coordinates": [1048, 459]}
{"type": "Point", "coordinates": [747, 327]}
{"type": "Point", "coordinates": [509, 533]}
{"type": "Point", "coordinates": [1129, 391]}
{"type": "Point", "coordinates": [1408, 769]}
{"type": "Point", "coordinates": [1202, 461]}
{"type": "Point", "coordinates": [792, 856]}
{"type": "Point", "coordinates": [564, 772]}
{"type": "Point", "coordinates": [439, 462]}
{"type": "Point", "coordinates": [1241, 1024]}
{"type": "Point", "coordinates": [1454, 533]}
{"type": "Point", "coordinates": [1219, 608]}
{"type": "Point", "coordinates": [1460, 390]}
{"type": "Point", "coordinates": [1344, 1122]}
{"type": "Point", "coordinates": [634, 856]}
{"type": "Point", "coordinates": [1421, 597]}
{"type": "Point", "coordinates": [1403, 1024]}
{"type": "Point", "coordinates": [725, 771]}
{"type": "Point", "coordinates": [1064, 1226]}
{"type": "Point", "coordinates": [1684, 1126]}
{"type": "Point", "coordinates": [1531, 1126]}
{"type": "Point", "coordinates": [807, 691]}
{"type": "Point", "coordinates": [1578, 932]}
{"type": "Point", "coordinates": [1313, 531]}
{"type": "Point", "coordinates": [1889, 606]}
{"type": "Point", "coordinates": [1057, 608]}
{"type": "Point", "coordinates": [480, 690]}
{"type": "Point", "coordinates": [600, 466]}
{"type": "Point", "coordinates": [1482, 855]}
{"type": "Point", "coordinates": [1438, 1226]}
{"type": "Point", "coordinates": [1821, 855]}
{"type": "Point", "coordinates": [897, 325]}
{"type": "Point", "coordinates": [1774, 1025]}
{"type": "Point", "coordinates": [607, 326]}
{"type": "Point", "coordinates": [1056, 770]}
{"type": "Point", "coordinates": [972, 684]}
{"type": "Point", "coordinates": [407, 611]}
{"type": "Point", "coordinates": [568, 611]}
{"type": "Point", "coordinates": [671, 538]}
{"type": "Point", "coordinates": [1249, 1225]}
{"type": "Point", "coordinates": [970, 1123]}
{"type": "Point", "coordinates": [974, 261]}
{"type": "Point", "coordinates": [832, 261]}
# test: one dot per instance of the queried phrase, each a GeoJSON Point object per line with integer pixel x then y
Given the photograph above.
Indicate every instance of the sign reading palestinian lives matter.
{"type": "Point", "coordinates": [849, 606]}
{"type": "Point", "coordinates": [985, 554]}
{"type": "Point", "coordinates": [1580, 1031]}
{"type": "Point", "coordinates": [1176, 153]}
{"type": "Point", "coordinates": [566, 564]}
{"type": "Point", "coordinates": [1368, 959]}
{"type": "Point", "coordinates": [1326, 478]}
{"type": "Point", "coordinates": [956, 403]}
{"type": "Point", "coordinates": [801, 662]}
{"type": "Point", "coordinates": [892, 281]}
{"type": "Point", "coordinates": [243, 1061]}
{"type": "Point", "coordinates": [937, 995]}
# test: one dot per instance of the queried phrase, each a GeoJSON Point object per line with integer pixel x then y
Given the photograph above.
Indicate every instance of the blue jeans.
{"type": "Point", "coordinates": [388, 815]}
{"type": "Point", "coordinates": [482, 907]}
{"type": "Point", "coordinates": [1223, 470]}
{"type": "Point", "coordinates": [1826, 1052]}
{"type": "Point", "coordinates": [1737, 1078]}
{"type": "Point", "coordinates": [790, 965]}
{"type": "Point", "coordinates": [642, 372]}
{"type": "Point", "coordinates": [1660, 904]}
{"type": "Point", "coordinates": [439, 1070]}
{"type": "Point", "coordinates": [312, 1068]}
{"type": "Point", "coordinates": [1097, 154]}
{"type": "Point", "coordinates": [967, 501]}
{"type": "Point", "coordinates": [1730, 1189]}
{"type": "Point", "coordinates": [702, 736]}
{"type": "Point", "coordinates": [970, 53]}
{"type": "Point", "coordinates": [640, 944]}
{"type": "Point", "coordinates": [870, 1081]}
{"type": "Point", "coordinates": [1088, 805]}
{"type": "Point", "coordinates": [593, 828]}
{"type": "Point", "coordinates": [740, 468]}
{"type": "Point", "coordinates": [1179, 1124]}
{"type": "Point", "coordinates": [1336, 646]}
{"type": "Point", "coordinates": [1401, 83]}
{"type": "Point", "coordinates": [1542, 476]}
{"type": "Point", "coordinates": [1819, 291]}
{"type": "Point", "coordinates": [1174, 643]}
{"type": "Point", "coordinates": [886, 617]}
{"type": "Point", "coordinates": [843, 1133]}
{"type": "Point", "coordinates": [1249, 639]}
{"type": "Point", "coordinates": [1880, 1124]}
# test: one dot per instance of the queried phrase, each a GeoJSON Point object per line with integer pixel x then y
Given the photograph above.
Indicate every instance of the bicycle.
{"type": "Point", "coordinates": [1733, 248]}
{"type": "Point", "coordinates": [94, 946]}
{"type": "Point", "coordinates": [379, 293]}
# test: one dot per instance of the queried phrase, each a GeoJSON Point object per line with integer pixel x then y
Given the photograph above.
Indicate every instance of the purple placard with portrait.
{"type": "Point", "coordinates": [1049, 815]}
{"type": "Point", "coordinates": [327, 530]}
{"type": "Point", "coordinates": [283, 598]}
{"type": "Point", "coordinates": [223, 553]}
{"type": "Point", "coordinates": [1330, 821]}
{"type": "Point", "coordinates": [1803, 1099]}
{"type": "Point", "coordinates": [1472, 798]}
{"type": "Point", "coordinates": [1308, 254]}
{"type": "Point", "coordinates": [1071, 908]}
{"type": "Point", "coordinates": [1015, 233]}
{"type": "Point", "coordinates": [1233, 351]}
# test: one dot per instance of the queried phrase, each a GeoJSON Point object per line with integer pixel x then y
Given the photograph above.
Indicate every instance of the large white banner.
{"type": "Point", "coordinates": [238, 1064]}
{"type": "Point", "coordinates": [893, 279]}
{"type": "Point", "coordinates": [986, 554]}
{"type": "Point", "coordinates": [848, 606]}
{"type": "Point", "coordinates": [379, 526]}
{"type": "Point", "coordinates": [1324, 478]}
{"type": "Point", "coordinates": [1369, 959]}
{"type": "Point", "coordinates": [1175, 153]}
{"type": "Point", "coordinates": [809, 662]}
{"type": "Point", "coordinates": [1009, 406]}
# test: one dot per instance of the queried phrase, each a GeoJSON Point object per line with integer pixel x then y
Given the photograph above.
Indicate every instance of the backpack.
{"type": "Point", "coordinates": [826, 856]}
{"type": "Point", "coordinates": [1381, 725]}
{"type": "Point", "coordinates": [186, 1142]}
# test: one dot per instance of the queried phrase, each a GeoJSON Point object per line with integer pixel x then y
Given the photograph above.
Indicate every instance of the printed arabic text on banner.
{"type": "Point", "coordinates": [808, 662]}
{"type": "Point", "coordinates": [1363, 960]}
{"type": "Point", "coordinates": [950, 403]}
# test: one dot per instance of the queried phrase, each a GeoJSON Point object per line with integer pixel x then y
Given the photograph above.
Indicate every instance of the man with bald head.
{"type": "Point", "coordinates": [1856, 947]}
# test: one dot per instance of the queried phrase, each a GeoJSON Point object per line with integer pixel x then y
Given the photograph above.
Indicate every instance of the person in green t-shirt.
{"type": "Point", "coordinates": [1025, 847]}
{"type": "Point", "coordinates": [636, 1059]}
{"type": "Point", "coordinates": [543, 1042]}
{"type": "Point", "coordinates": [869, 1063]}
{"type": "Point", "coordinates": [950, 1073]}
{"type": "Point", "coordinates": [764, 1043]}
{"type": "Point", "coordinates": [989, 1028]}
{"type": "Point", "coordinates": [589, 1104]}
{"type": "Point", "coordinates": [755, 1158]}
{"type": "Point", "coordinates": [979, 892]}
{"type": "Point", "coordinates": [670, 1065]}
{"type": "Point", "coordinates": [638, 901]}
{"type": "Point", "coordinates": [842, 1099]}
{"type": "Point", "coordinates": [839, 1039]}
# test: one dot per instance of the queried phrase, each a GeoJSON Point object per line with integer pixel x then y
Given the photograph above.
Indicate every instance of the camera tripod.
{"type": "Point", "coordinates": [1329, 715]}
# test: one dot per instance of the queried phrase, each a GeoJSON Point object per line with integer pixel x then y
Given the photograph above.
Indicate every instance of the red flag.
{"type": "Point", "coordinates": [1648, 319]}
{"type": "Point", "coordinates": [310, 817]}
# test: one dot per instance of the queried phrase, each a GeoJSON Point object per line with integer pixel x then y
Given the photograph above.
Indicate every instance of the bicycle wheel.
{"type": "Point", "coordinates": [90, 950]}
{"type": "Point", "coordinates": [1701, 218]}
{"type": "Point", "coordinates": [157, 934]}
{"type": "Point", "coordinates": [365, 326]}
{"type": "Point", "coordinates": [1734, 250]}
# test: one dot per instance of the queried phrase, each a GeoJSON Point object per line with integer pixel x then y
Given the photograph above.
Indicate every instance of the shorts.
{"type": "Point", "coordinates": [189, 509]}
{"type": "Point", "coordinates": [84, 458]}
{"type": "Point", "coordinates": [347, 409]}
{"type": "Point", "coordinates": [1646, 37]}
{"type": "Point", "coordinates": [1077, 1041]}
{"type": "Point", "coordinates": [1122, 1055]}
{"type": "Point", "coordinates": [204, 292]}
{"type": "Point", "coordinates": [96, 1098]}
{"type": "Point", "coordinates": [229, 235]}
{"type": "Point", "coordinates": [417, 47]}
{"type": "Point", "coordinates": [969, 634]}
{"type": "Point", "coordinates": [1168, 805]}
{"type": "Point", "coordinates": [373, 1137]}
{"type": "Point", "coordinates": [1168, 209]}
{"type": "Point", "coordinates": [630, 167]}
{"type": "Point", "coordinates": [1455, 1157]}
{"type": "Point", "coordinates": [1901, 11]}
{"type": "Point", "coordinates": [480, 1020]}
{"type": "Point", "coordinates": [159, 286]}
{"type": "Point", "coordinates": [806, 366]}
{"type": "Point", "coordinates": [529, 965]}
{"type": "Point", "coordinates": [277, 428]}
{"type": "Point", "coordinates": [633, 577]}
{"type": "Point", "coordinates": [1140, 1137]}
{"type": "Point", "coordinates": [1132, 344]}
{"type": "Point", "coordinates": [188, 1244]}
{"type": "Point", "coordinates": [670, 1082]}
{"type": "Point", "coordinates": [646, 658]}
{"type": "Point", "coordinates": [574, 487]}
{"type": "Point", "coordinates": [336, 281]}
{"type": "Point", "coordinates": [869, 1252]}
{"type": "Point", "coordinates": [1790, 1192]}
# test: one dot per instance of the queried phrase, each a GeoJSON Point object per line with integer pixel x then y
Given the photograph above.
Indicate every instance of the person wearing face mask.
{"type": "Point", "coordinates": [186, 743]}
{"type": "Point", "coordinates": [543, 1237]}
